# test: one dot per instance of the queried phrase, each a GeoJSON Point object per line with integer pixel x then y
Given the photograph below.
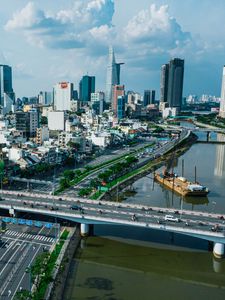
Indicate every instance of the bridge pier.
{"type": "Point", "coordinates": [218, 250]}
{"type": "Point", "coordinates": [84, 229]}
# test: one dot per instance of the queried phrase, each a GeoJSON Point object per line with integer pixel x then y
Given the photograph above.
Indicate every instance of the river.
{"type": "Point", "coordinates": [120, 263]}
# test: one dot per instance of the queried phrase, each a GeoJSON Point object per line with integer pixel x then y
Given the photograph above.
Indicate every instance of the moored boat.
{"type": "Point", "coordinates": [181, 185]}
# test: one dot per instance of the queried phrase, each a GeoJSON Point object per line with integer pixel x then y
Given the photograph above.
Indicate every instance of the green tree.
{"type": "Point", "coordinates": [77, 172]}
{"type": "Point", "coordinates": [23, 295]}
{"type": "Point", "coordinates": [69, 174]}
{"type": "Point", "coordinates": [64, 183]}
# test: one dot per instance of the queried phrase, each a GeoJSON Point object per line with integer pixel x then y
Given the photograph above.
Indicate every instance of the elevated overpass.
{"type": "Point", "coordinates": [202, 225]}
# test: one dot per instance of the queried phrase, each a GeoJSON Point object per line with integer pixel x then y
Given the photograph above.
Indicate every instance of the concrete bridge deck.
{"type": "Point", "coordinates": [208, 226]}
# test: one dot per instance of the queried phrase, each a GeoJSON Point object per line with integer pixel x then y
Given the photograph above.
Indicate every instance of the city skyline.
{"type": "Point", "coordinates": [44, 45]}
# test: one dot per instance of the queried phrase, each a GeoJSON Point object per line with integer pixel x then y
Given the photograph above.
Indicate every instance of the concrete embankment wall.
{"type": "Point", "coordinates": [59, 285]}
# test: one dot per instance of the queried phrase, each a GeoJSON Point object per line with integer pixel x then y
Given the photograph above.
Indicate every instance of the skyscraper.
{"type": "Point", "coordinates": [5, 82]}
{"type": "Point", "coordinates": [118, 90]}
{"type": "Point", "coordinates": [120, 107]}
{"type": "Point", "coordinates": [164, 83]}
{"type": "Point", "coordinates": [222, 103]}
{"type": "Point", "coordinates": [175, 83]}
{"type": "Point", "coordinates": [149, 97]}
{"type": "Point", "coordinates": [113, 75]}
{"type": "Point", "coordinates": [62, 92]}
{"type": "Point", "coordinates": [86, 87]}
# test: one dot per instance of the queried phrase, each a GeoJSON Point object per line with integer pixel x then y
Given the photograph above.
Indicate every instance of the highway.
{"type": "Point", "coordinates": [144, 156]}
{"type": "Point", "coordinates": [19, 246]}
{"type": "Point", "coordinates": [88, 211]}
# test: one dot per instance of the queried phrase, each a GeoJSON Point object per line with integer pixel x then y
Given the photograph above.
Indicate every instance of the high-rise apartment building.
{"type": "Point", "coordinates": [6, 83]}
{"type": "Point", "coordinates": [164, 83]}
{"type": "Point", "coordinates": [222, 103]}
{"type": "Point", "coordinates": [118, 90]}
{"type": "Point", "coordinates": [45, 98]}
{"type": "Point", "coordinates": [86, 87]}
{"type": "Point", "coordinates": [175, 83]}
{"type": "Point", "coordinates": [97, 96]}
{"type": "Point", "coordinates": [121, 107]}
{"type": "Point", "coordinates": [27, 122]}
{"type": "Point", "coordinates": [62, 96]}
{"type": "Point", "coordinates": [113, 75]}
{"type": "Point", "coordinates": [171, 85]}
{"type": "Point", "coordinates": [149, 97]}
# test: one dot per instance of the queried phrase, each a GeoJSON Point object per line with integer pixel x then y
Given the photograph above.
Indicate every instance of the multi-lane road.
{"type": "Point", "coordinates": [118, 213]}
{"type": "Point", "coordinates": [19, 246]}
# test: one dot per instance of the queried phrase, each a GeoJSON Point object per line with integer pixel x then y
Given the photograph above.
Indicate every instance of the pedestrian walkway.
{"type": "Point", "coordinates": [27, 236]}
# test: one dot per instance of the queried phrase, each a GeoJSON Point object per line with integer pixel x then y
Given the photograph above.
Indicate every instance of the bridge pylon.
{"type": "Point", "coordinates": [218, 250]}
{"type": "Point", "coordinates": [84, 229]}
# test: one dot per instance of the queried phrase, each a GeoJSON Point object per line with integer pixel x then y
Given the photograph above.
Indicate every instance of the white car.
{"type": "Point", "coordinates": [171, 218]}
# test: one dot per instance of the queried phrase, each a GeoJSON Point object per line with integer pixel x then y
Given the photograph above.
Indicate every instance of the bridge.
{"type": "Point", "coordinates": [207, 226]}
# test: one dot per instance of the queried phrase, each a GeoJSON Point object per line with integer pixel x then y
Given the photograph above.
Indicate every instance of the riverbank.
{"type": "Point", "coordinates": [64, 269]}
{"type": "Point", "coordinates": [147, 169]}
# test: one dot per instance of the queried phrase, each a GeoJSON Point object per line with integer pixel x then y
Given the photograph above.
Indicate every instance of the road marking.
{"type": "Point", "coordinates": [11, 245]}
{"type": "Point", "coordinates": [10, 259]}
{"type": "Point", "coordinates": [19, 284]}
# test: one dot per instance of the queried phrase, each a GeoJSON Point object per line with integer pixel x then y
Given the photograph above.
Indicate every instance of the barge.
{"type": "Point", "coordinates": [181, 185]}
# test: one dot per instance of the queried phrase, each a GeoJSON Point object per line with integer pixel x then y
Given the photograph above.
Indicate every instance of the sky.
{"type": "Point", "coordinates": [48, 41]}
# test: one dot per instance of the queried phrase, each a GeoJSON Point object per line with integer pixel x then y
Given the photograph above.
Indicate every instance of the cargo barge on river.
{"type": "Point", "coordinates": [181, 185]}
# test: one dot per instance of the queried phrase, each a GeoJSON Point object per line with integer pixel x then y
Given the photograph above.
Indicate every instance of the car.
{"type": "Point", "coordinates": [221, 218]}
{"type": "Point", "coordinates": [159, 221]}
{"type": "Point", "coordinates": [160, 211]}
{"type": "Point", "coordinates": [201, 223]}
{"type": "Point", "coordinates": [216, 228]}
{"type": "Point", "coordinates": [171, 218]}
{"type": "Point", "coordinates": [75, 207]}
{"type": "Point", "coordinates": [176, 212]}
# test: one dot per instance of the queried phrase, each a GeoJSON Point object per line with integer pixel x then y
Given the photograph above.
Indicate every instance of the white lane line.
{"type": "Point", "coordinates": [8, 262]}
{"type": "Point", "coordinates": [11, 245]}
{"type": "Point", "coordinates": [24, 274]}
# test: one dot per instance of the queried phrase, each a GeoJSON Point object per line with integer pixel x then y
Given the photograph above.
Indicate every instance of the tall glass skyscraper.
{"type": "Point", "coordinates": [171, 85]}
{"type": "Point", "coordinates": [86, 87]}
{"type": "Point", "coordinates": [164, 82]}
{"type": "Point", "coordinates": [112, 76]}
{"type": "Point", "coordinates": [5, 82]}
{"type": "Point", "coordinates": [175, 83]}
{"type": "Point", "coordinates": [222, 103]}
{"type": "Point", "coordinates": [149, 97]}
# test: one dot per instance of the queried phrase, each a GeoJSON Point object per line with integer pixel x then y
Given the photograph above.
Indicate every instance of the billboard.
{"type": "Point", "coordinates": [64, 85]}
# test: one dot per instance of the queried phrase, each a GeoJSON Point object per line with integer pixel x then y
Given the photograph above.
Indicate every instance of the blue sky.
{"type": "Point", "coordinates": [46, 41]}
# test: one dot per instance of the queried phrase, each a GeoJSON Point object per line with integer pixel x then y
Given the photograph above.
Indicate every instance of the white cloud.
{"type": "Point", "coordinates": [156, 28]}
{"type": "Point", "coordinates": [68, 28]}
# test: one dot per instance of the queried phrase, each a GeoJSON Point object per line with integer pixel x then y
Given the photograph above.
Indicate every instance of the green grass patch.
{"type": "Point", "coordinates": [45, 265]}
